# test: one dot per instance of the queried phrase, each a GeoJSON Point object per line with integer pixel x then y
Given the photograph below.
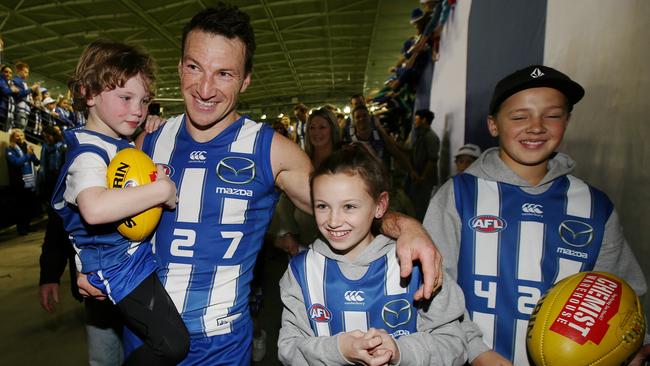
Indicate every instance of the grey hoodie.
{"type": "Point", "coordinates": [438, 341]}
{"type": "Point", "coordinates": [442, 221]}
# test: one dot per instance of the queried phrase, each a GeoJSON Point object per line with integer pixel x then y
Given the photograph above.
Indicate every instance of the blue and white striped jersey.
{"type": "Point", "coordinates": [117, 264]}
{"type": "Point", "coordinates": [207, 247]}
{"type": "Point", "coordinates": [336, 304]}
{"type": "Point", "coordinates": [515, 246]}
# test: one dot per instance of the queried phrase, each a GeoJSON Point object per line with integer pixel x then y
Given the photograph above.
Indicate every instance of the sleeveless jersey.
{"type": "Point", "coordinates": [117, 265]}
{"type": "Point", "coordinates": [336, 304]}
{"type": "Point", "coordinates": [207, 247]}
{"type": "Point", "coordinates": [515, 246]}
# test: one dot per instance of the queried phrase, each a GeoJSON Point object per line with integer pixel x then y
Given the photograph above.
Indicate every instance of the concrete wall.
{"type": "Point", "coordinates": [604, 45]}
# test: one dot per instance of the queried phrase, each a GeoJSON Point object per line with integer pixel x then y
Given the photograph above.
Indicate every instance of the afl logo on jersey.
{"type": "Point", "coordinates": [319, 313]}
{"type": "Point", "coordinates": [130, 183]}
{"type": "Point", "coordinates": [168, 169]}
{"type": "Point", "coordinates": [487, 223]}
{"type": "Point", "coordinates": [236, 170]}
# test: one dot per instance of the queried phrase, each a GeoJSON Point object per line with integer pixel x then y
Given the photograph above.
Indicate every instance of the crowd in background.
{"type": "Point", "coordinates": [31, 108]}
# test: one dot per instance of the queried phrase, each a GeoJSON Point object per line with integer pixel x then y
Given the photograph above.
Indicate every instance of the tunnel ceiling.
{"type": "Point", "coordinates": [311, 51]}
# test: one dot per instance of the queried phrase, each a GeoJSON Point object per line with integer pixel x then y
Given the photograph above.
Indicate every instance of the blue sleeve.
{"type": "Point", "coordinates": [23, 91]}
{"type": "Point", "coordinates": [4, 87]}
{"type": "Point", "coordinates": [15, 159]}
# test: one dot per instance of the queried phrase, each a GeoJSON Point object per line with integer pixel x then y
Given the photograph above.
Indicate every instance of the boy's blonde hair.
{"type": "Point", "coordinates": [106, 65]}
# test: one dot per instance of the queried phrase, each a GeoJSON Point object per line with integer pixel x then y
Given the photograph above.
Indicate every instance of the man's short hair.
{"type": "Point", "coordinates": [425, 114]}
{"type": "Point", "coordinates": [228, 21]}
{"type": "Point", "coordinates": [360, 107]}
{"type": "Point", "coordinates": [106, 65]}
{"type": "Point", "coordinates": [300, 107]}
{"type": "Point", "coordinates": [20, 65]}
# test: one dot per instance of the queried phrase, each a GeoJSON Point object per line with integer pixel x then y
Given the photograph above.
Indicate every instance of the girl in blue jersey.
{"type": "Point", "coordinates": [113, 82]}
{"type": "Point", "coordinates": [344, 301]}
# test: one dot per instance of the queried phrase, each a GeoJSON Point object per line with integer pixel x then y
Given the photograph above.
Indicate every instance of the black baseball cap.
{"type": "Point", "coordinates": [535, 76]}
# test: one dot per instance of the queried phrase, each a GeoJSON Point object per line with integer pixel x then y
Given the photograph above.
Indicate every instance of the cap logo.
{"type": "Point", "coordinates": [536, 73]}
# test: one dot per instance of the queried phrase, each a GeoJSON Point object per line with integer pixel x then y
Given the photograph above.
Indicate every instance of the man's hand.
{"type": "Point", "coordinates": [641, 356]}
{"type": "Point", "coordinates": [48, 295]}
{"type": "Point", "coordinates": [152, 123]}
{"type": "Point", "coordinates": [414, 244]}
{"type": "Point", "coordinates": [490, 358]}
{"type": "Point", "coordinates": [288, 244]}
{"type": "Point", "coordinates": [88, 290]}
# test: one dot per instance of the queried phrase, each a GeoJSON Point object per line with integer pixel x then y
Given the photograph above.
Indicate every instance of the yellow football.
{"type": "Point", "coordinates": [131, 168]}
{"type": "Point", "coordinates": [589, 318]}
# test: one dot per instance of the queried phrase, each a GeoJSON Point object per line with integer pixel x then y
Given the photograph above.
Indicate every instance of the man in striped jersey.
{"type": "Point", "coordinates": [517, 221]}
{"type": "Point", "coordinates": [226, 168]}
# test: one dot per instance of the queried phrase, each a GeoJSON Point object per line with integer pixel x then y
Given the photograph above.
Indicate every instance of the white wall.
{"type": "Point", "coordinates": [604, 46]}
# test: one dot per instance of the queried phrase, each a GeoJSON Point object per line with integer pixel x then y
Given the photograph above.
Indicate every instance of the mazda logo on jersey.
{"type": "Point", "coordinates": [487, 223]}
{"type": "Point", "coordinates": [396, 312]}
{"type": "Point", "coordinates": [236, 170]}
{"type": "Point", "coordinates": [576, 233]}
{"type": "Point", "coordinates": [319, 313]}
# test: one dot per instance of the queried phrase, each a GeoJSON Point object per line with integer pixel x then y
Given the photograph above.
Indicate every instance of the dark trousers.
{"type": "Point", "coordinates": [150, 313]}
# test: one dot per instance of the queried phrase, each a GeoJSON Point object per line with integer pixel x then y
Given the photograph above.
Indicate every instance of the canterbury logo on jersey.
{"type": "Point", "coordinates": [532, 208]}
{"type": "Point", "coordinates": [198, 155]}
{"type": "Point", "coordinates": [354, 296]}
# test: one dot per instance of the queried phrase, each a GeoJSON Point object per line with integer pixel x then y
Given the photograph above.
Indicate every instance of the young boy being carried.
{"type": "Point", "coordinates": [114, 83]}
{"type": "Point", "coordinates": [343, 298]}
{"type": "Point", "coordinates": [516, 221]}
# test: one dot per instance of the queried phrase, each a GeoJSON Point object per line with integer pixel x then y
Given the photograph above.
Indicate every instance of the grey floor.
{"type": "Point", "coordinates": [30, 336]}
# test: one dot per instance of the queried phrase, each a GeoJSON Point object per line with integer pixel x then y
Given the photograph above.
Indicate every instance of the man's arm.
{"type": "Point", "coordinates": [291, 169]}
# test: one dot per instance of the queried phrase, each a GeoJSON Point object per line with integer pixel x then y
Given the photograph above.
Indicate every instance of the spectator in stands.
{"type": "Point", "coordinates": [49, 105]}
{"type": "Point", "coordinates": [52, 158]}
{"type": "Point", "coordinates": [280, 128]}
{"type": "Point", "coordinates": [292, 227]}
{"type": "Point", "coordinates": [342, 122]}
{"type": "Point", "coordinates": [21, 160]}
{"type": "Point", "coordinates": [355, 101]}
{"type": "Point", "coordinates": [24, 97]}
{"type": "Point", "coordinates": [465, 156]}
{"type": "Point", "coordinates": [424, 163]}
{"type": "Point", "coordinates": [8, 92]}
{"type": "Point", "coordinates": [65, 112]}
{"type": "Point", "coordinates": [300, 111]}
{"type": "Point", "coordinates": [368, 130]}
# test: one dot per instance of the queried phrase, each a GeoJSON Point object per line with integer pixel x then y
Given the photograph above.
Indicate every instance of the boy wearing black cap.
{"type": "Point", "coordinates": [516, 221]}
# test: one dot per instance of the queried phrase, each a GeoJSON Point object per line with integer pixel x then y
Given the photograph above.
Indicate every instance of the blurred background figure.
{"type": "Point", "coordinates": [21, 162]}
{"type": "Point", "coordinates": [465, 156]}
